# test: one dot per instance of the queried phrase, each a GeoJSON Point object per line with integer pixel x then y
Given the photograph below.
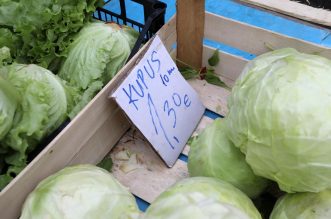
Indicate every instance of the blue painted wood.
{"type": "Point", "coordinates": [239, 12]}
{"type": "Point", "coordinates": [263, 19]}
{"type": "Point", "coordinates": [142, 204]}
{"type": "Point", "coordinates": [212, 115]}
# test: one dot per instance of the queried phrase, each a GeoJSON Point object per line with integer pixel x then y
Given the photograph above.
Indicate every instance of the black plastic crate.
{"type": "Point", "coordinates": [154, 12]}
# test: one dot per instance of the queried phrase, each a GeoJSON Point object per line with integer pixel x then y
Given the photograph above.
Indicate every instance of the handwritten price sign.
{"type": "Point", "coordinates": [159, 101]}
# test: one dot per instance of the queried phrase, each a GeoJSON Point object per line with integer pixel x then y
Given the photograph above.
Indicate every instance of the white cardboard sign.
{"type": "Point", "coordinates": [159, 101]}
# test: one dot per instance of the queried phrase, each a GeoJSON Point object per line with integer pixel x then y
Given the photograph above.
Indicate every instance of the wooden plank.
{"type": "Point", "coordinates": [213, 97]}
{"type": "Point", "coordinates": [294, 9]}
{"type": "Point", "coordinates": [143, 172]}
{"type": "Point", "coordinates": [103, 140]}
{"type": "Point", "coordinates": [253, 39]}
{"type": "Point", "coordinates": [168, 34]}
{"type": "Point", "coordinates": [190, 26]}
{"type": "Point", "coordinates": [170, 43]}
{"type": "Point", "coordinates": [167, 29]}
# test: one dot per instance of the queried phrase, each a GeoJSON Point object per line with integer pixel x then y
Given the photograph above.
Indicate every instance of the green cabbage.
{"type": "Point", "coordinates": [202, 197]}
{"type": "Point", "coordinates": [97, 53]}
{"type": "Point", "coordinates": [82, 192]}
{"type": "Point", "coordinates": [43, 107]}
{"type": "Point", "coordinates": [280, 117]}
{"type": "Point", "coordinates": [212, 154]}
{"type": "Point", "coordinates": [43, 28]}
{"type": "Point", "coordinates": [303, 206]}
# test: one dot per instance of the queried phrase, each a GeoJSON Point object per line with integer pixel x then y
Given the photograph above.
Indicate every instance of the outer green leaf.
{"type": "Point", "coordinates": [212, 78]}
{"type": "Point", "coordinates": [85, 98]}
{"type": "Point", "coordinates": [4, 180]}
{"type": "Point", "coordinates": [9, 102]}
{"type": "Point", "coordinates": [213, 155]}
{"type": "Point", "coordinates": [106, 163]}
{"type": "Point", "coordinates": [9, 9]}
{"type": "Point", "coordinates": [8, 95]}
{"type": "Point", "coordinates": [189, 73]}
{"type": "Point", "coordinates": [214, 59]}
{"type": "Point", "coordinates": [10, 40]}
{"type": "Point", "coordinates": [4, 56]}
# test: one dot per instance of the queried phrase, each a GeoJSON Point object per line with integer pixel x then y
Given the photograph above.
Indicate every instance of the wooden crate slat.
{"type": "Point", "coordinates": [295, 9]}
{"type": "Point", "coordinates": [170, 41]}
{"type": "Point", "coordinates": [103, 140]}
{"type": "Point", "coordinates": [168, 34]}
{"type": "Point", "coordinates": [253, 39]}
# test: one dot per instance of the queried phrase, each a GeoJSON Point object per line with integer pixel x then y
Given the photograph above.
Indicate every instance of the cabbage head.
{"type": "Point", "coordinates": [212, 154]}
{"type": "Point", "coordinates": [303, 206]}
{"type": "Point", "coordinates": [202, 198]}
{"type": "Point", "coordinates": [97, 53]}
{"type": "Point", "coordinates": [42, 109]}
{"type": "Point", "coordinates": [280, 117]}
{"type": "Point", "coordinates": [80, 192]}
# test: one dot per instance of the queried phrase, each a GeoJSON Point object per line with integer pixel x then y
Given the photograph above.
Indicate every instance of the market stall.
{"type": "Point", "coordinates": [101, 130]}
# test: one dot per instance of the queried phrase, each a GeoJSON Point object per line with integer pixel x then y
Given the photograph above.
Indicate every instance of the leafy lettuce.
{"type": "Point", "coordinates": [42, 108]}
{"type": "Point", "coordinates": [42, 28]}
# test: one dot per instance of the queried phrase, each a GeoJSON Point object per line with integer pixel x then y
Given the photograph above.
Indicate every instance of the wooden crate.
{"type": "Point", "coordinates": [101, 125]}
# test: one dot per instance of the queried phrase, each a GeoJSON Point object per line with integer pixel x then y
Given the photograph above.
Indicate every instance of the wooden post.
{"type": "Point", "coordinates": [190, 31]}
